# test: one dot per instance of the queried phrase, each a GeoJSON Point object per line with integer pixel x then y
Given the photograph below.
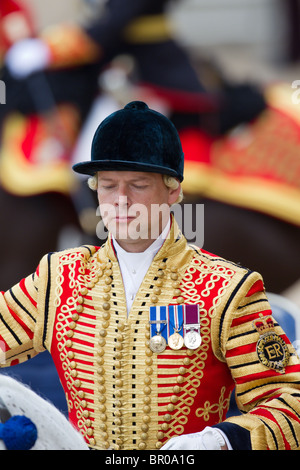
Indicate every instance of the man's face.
{"type": "Point", "coordinates": [135, 206]}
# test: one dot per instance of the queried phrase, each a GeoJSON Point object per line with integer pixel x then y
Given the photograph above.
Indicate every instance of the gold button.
{"type": "Point", "coordinates": [81, 394]}
{"type": "Point", "coordinates": [180, 300]}
{"type": "Point", "coordinates": [167, 417]}
{"type": "Point", "coordinates": [103, 333]}
{"type": "Point", "coordinates": [157, 290]}
{"type": "Point", "coordinates": [90, 432]}
{"type": "Point", "coordinates": [145, 427]}
{"type": "Point", "coordinates": [92, 442]}
{"type": "Point", "coordinates": [154, 299]}
{"type": "Point", "coordinates": [160, 435]}
{"type": "Point", "coordinates": [142, 446]}
{"type": "Point", "coordinates": [108, 281]}
{"type": "Point", "coordinates": [74, 373]}
{"type": "Point", "coordinates": [80, 300]}
{"type": "Point", "coordinates": [106, 297]}
{"type": "Point", "coordinates": [147, 381]}
{"type": "Point", "coordinates": [69, 343]}
{"type": "Point", "coordinates": [100, 352]}
{"type": "Point", "coordinates": [79, 308]}
{"type": "Point", "coordinates": [121, 327]}
{"type": "Point", "coordinates": [75, 316]}
{"type": "Point", "coordinates": [170, 407]}
{"type": "Point", "coordinates": [158, 445]}
{"type": "Point", "coordinates": [177, 292]}
{"type": "Point", "coordinates": [84, 291]}
{"type": "Point", "coordinates": [71, 355]}
{"type": "Point", "coordinates": [180, 379]}
{"type": "Point", "coordinates": [174, 399]}
{"type": "Point", "coordinates": [86, 414]}
{"type": "Point", "coordinates": [73, 365]}
{"type": "Point", "coordinates": [165, 426]}
{"type": "Point", "coordinates": [83, 403]}
{"type": "Point", "coordinates": [106, 316]}
{"type": "Point", "coordinates": [106, 306]}
{"type": "Point", "coordinates": [144, 436]}
{"type": "Point", "coordinates": [70, 334]}
{"type": "Point", "coordinates": [146, 419]}
{"type": "Point", "coordinates": [182, 370]}
{"type": "Point", "coordinates": [77, 383]}
{"type": "Point", "coordinates": [147, 390]}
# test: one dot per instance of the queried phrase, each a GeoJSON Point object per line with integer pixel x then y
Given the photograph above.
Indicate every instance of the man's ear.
{"type": "Point", "coordinates": [174, 194]}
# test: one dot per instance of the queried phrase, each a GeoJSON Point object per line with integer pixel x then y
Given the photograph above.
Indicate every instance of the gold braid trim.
{"type": "Point", "coordinates": [150, 28]}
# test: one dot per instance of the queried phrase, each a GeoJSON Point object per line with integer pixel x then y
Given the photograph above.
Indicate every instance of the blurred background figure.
{"type": "Point", "coordinates": [224, 78]}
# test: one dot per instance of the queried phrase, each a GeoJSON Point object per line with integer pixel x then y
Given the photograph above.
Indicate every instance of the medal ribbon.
{"type": "Point", "coordinates": [176, 319]}
{"type": "Point", "coordinates": [191, 316]}
{"type": "Point", "coordinates": [158, 321]}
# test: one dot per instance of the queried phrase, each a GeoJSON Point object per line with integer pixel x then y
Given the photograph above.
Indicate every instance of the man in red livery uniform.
{"type": "Point", "coordinates": [148, 333]}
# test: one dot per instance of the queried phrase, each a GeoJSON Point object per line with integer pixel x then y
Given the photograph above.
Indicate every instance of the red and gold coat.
{"type": "Point", "coordinates": [120, 394]}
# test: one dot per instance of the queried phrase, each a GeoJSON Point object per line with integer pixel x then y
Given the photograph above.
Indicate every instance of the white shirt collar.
{"type": "Point", "coordinates": [151, 250]}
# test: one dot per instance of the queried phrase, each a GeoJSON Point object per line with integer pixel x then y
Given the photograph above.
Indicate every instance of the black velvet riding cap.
{"type": "Point", "coordinates": [135, 138]}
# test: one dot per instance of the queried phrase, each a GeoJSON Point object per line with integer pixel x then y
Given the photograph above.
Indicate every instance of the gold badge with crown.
{"type": "Point", "coordinates": [271, 349]}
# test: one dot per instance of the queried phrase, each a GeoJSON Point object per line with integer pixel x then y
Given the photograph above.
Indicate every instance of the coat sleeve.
{"type": "Point", "coordinates": [266, 371]}
{"type": "Point", "coordinates": [18, 321]}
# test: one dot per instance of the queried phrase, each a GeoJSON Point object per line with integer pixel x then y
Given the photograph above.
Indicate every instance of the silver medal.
{"type": "Point", "coordinates": [192, 339]}
{"type": "Point", "coordinates": [158, 343]}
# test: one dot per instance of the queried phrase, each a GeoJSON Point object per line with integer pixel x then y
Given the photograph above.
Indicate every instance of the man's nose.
{"type": "Point", "coordinates": [121, 200]}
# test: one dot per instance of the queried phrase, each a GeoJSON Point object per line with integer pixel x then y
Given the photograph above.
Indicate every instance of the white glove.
{"type": "Point", "coordinates": [208, 439]}
{"type": "Point", "coordinates": [26, 57]}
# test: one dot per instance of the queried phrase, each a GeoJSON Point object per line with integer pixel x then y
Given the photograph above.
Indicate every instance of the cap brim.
{"type": "Point", "coordinates": [90, 168]}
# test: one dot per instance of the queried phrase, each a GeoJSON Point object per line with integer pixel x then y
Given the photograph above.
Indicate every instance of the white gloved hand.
{"type": "Point", "coordinates": [208, 439]}
{"type": "Point", "coordinates": [26, 57]}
